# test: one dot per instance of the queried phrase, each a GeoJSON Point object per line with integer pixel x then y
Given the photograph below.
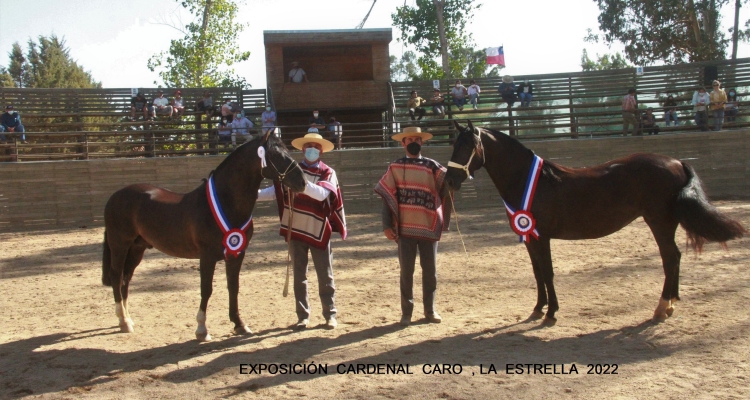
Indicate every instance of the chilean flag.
{"type": "Point", "coordinates": [495, 55]}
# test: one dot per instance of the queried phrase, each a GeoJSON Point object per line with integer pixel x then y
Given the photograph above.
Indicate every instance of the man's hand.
{"type": "Point", "coordinates": [390, 234]}
{"type": "Point", "coordinates": [11, 129]}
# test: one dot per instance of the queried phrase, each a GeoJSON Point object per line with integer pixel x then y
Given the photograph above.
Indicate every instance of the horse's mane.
{"type": "Point", "coordinates": [549, 169]}
{"type": "Point", "coordinates": [274, 145]}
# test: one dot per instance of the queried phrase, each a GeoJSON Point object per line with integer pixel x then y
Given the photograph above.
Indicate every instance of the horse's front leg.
{"type": "Point", "coordinates": [234, 265]}
{"type": "Point", "coordinates": [541, 295]}
{"type": "Point", "coordinates": [541, 256]}
{"type": "Point", "coordinates": [207, 276]}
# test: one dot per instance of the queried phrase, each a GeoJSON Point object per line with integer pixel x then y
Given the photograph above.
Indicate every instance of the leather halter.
{"type": "Point", "coordinates": [465, 167]}
{"type": "Point", "coordinates": [280, 176]}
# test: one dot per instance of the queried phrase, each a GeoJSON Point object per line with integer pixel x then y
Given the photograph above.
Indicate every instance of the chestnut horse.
{"type": "Point", "coordinates": [589, 203]}
{"type": "Point", "coordinates": [140, 217]}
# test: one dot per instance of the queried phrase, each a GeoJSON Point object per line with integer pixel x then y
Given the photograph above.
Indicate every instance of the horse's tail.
{"type": "Point", "coordinates": [106, 263]}
{"type": "Point", "coordinates": [701, 220]}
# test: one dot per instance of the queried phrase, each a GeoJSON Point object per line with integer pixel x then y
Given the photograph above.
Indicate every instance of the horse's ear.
{"type": "Point", "coordinates": [265, 138]}
{"type": "Point", "coordinates": [458, 127]}
{"type": "Point", "coordinates": [470, 125]}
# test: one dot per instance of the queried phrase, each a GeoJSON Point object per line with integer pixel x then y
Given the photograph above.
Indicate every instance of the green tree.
{"type": "Point", "coordinates": [472, 63]}
{"type": "Point", "coordinates": [669, 31]}
{"type": "Point", "coordinates": [606, 61]}
{"type": "Point", "coordinates": [405, 68]}
{"type": "Point", "coordinates": [419, 28]}
{"type": "Point", "coordinates": [47, 64]}
{"type": "Point", "coordinates": [205, 55]}
{"type": "Point", "coordinates": [6, 80]}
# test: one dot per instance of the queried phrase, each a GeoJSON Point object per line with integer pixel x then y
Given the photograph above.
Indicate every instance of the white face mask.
{"type": "Point", "coordinates": [312, 154]}
{"type": "Point", "coordinates": [268, 108]}
{"type": "Point", "coordinates": [315, 115]}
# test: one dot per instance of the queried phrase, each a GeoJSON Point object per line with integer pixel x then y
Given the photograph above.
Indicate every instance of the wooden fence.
{"type": "Point", "coordinates": [73, 193]}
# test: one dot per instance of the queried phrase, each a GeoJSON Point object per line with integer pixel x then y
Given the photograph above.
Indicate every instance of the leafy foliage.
{"type": "Point", "coordinates": [603, 62]}
{"type": "Point", "coordinates": [47, 64]}
{"type": "Point", "coordinates": [419, 28]}
{"type": "Point", "coordinates": [670, 31]}
{"type": "Point", "coordinates": [209, 45]}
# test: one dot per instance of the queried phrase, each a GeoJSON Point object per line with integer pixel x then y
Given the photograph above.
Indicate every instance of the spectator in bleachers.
{"type": "Point", "coordinates": [718, 99]}
{"type": "Point", "coordinates": [178, 104]}
{"type": "Point", "coordinates": [139, 104]}
{"type": "Point", "coordinates": [241, 127]}
{"type": "Point", "coordinates": [414, 105]}
{"type": "Point", "coordinates": [224, 129]}
{"type": "Point", "coordinates": [629, 109]}
{"type": "Point", "coordinates": [473, 90]}
{"type": "Point", "coordinates": [206, 104]}
{"type": "Point", "coordinates": [507, 90]}
{"type": "Point", "coordinates": [297, 74]}
{"type": "Point", "coordinates": [228, 109]}
{"type": "Point", "coordinates": [269, 119]}
{"type": "Point", "coordinates": [648, 122]}
{"type": "Point", "coordinates": [334, 127]}
{"type": "Point", "coordinates": [700, 103]}
{"type": "Point", "coordinates": [525, 93]}
{"type": "Point", "coordinates": [731, 108]}
{"type": "Point", "coordinates": [670, 111]}
{"type": "Point", "coordinates": [438, 103]}
{"type": "Point", "coordinates": [10, 122]}
{"type": "Point", "coordinates": [316, 122]}
{"type": "Point", "coordinates": [161, 105]}
{"type": "Point", "coordinates": [458, 94]}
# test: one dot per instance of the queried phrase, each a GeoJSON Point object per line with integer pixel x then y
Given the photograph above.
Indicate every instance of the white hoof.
{"type": "Point", "coordinates": [242, 331]}
{"type": "Point", "coordinates": [203, 337]}
{"type": "Point", "coordinates": [126, 327]}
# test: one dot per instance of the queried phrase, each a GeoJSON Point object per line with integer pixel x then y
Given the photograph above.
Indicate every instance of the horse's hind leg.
{"type": "Point", "coordinates": [135, 255]}
{"type": "Point", "coordinates": [207, 276]}
{"type": "Point", "coordinates": [664, 231]}
{"type": "Point", "coordinates": [234, 265]}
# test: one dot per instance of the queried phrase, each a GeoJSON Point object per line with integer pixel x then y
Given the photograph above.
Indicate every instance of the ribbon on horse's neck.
{"type": "Point", "coordinates": [465, 168]}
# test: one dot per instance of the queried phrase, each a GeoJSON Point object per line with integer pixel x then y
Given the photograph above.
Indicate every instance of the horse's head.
{"type": "Point", "coordinates": [280, 165]}
{"type": "Point", "coordinates": [467, 157]}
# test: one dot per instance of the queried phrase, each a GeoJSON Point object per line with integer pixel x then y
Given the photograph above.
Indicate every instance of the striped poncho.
{"type": "Point", "coordinates": [412, 190]}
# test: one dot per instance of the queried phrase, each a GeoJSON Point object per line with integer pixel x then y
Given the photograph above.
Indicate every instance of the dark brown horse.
{"type": "Point", "coordinates": [589, 203]}
{"type": "Point", "coordinates": [142, 216]}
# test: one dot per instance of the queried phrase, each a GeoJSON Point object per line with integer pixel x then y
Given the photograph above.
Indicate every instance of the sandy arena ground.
{"type": "Point", "coordinates": [59, 335]}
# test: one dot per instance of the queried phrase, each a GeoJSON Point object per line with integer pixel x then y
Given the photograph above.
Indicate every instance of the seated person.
{"type": "Point", "coordinates": [670, 111]}
{"type": "Point", "coordinates": [139, 104]}
{"type": "Point", "coordinates": [458, 93]}
{"type": "Point", "coordinates": [228, 109]}
{"type": "Point", "coordinates": [224, 129]}
{"type": "Point", "coordinates": [206, 104]}
{"type": "Point", "coordinates": [316, 121]}
{"type": "Point", "coordinates": [437, 101]}
{"type": "Point", "coordinates": [10, 122]}
{"type": "Point", "coordinates": [335, 128]}
{"type": "Point", "coordinates": [731, 107]}
{"type": "Point", "coordinates": [414, 105]}
{"type": "Point", "coordinates": [507, 90]}
{"type": "Point", "coordinates": [297, 74]}
{"type": "Point", "coordinates": [178, 104]}
{"type": "Point", "coordinates": [241, 127]}
{"type": "Point", "coordinates": [269, 119]}
{"type": "Point", "coordinates": [473, 90]}
{"type": "Point", "coordinates": [525, 93]}
{"type": "Point", "coordinates": [648, 122]}
{"type": "Point", "coordinates": [161, 104]}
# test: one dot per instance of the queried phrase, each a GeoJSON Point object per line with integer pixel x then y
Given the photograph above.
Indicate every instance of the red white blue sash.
{"type": "Point", "coordinates": [235, 240]}
{"type": "Point", "coordinates": [522, 221]}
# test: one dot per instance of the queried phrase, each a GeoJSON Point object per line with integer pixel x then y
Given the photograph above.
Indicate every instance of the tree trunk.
{"type": "Point", "coordinates": [443, 42]}
{"type": "Point", "coordinates": [204, 26]}
{"type": "Point", "coordinates": [736, 28]}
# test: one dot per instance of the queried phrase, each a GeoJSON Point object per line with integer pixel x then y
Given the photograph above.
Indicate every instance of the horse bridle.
{"type": "Point", "coordinates": [465, 168]}
{"type": "Point", "coordinates": [280, 176]}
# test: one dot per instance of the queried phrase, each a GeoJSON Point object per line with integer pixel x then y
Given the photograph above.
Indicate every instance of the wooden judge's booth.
{"type": "Point", "coordinates": [347, 77]}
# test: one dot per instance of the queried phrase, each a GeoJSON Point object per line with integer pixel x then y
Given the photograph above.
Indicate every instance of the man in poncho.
{"type": "Point", "coordinates": [414, 215]}
{"type": "Point", "coordinates": [318, 211]}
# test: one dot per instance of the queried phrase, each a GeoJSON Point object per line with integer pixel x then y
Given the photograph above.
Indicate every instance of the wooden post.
{"type": "Point", "coordinates": [511, 127]}
{"type": "Point", "coordinates": [573, 121]}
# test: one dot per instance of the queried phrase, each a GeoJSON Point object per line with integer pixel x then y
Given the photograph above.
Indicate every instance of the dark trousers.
{"type": "Point", "coordinates": [407, 257]}
{"type": "Point", "coordinates": [418, 110]}
{"type": "Point", "coordinates": [323, 262]}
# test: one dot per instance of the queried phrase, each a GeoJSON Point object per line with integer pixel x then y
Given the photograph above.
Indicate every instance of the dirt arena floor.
{"type": "Point", "coordinates": [59, 335]}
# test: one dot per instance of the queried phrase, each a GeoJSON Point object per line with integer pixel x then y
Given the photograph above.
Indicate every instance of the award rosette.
{"type": "Point", "coordinates": [522, 221]}
{"type": "Point", "coordinates": [235, 239]}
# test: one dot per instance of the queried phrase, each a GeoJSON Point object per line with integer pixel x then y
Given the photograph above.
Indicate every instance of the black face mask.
{"type": "Point", "coordinates": [414, 148]}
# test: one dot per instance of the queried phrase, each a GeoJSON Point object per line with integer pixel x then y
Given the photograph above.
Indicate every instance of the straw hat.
{"type": "Point", "coordinates": [507, 79]}
{"type": "Point", "coordinates": [312, 138]}
{"type": "Point", "coordinates": [412, 131]}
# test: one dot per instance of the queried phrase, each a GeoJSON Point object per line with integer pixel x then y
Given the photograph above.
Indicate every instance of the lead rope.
{"type": "Point", "coordinates": [457, 229]}
{"type": "Point", "coordinates": [285, 293]}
